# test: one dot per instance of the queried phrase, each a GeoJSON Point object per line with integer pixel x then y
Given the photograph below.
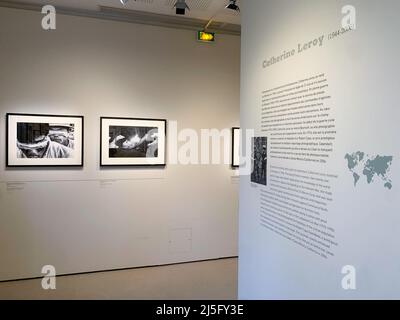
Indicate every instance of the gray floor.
{"type": "Point", "coordinates": [212, 280]}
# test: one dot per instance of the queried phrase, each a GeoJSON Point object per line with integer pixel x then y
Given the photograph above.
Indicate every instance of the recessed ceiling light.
{"type": "Point", "coordinates": [232, 5]}
{"type": "Point", "coordinates": [181, 7]}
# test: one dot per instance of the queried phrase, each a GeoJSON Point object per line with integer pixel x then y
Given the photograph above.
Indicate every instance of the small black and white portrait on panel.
{"type": "Point", "coordinates": [259, 161]}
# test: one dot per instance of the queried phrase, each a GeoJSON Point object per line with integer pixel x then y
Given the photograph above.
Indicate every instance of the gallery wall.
{"type": "Point", "coordinates": [94, 218]}
{"type": "Point", "coordinates": [326, 225]}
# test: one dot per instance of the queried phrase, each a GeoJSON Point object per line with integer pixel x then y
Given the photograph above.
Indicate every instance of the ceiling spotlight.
{"type": "Point", "coordinates": [232, 5]}
{"type": "Point", "coordinates": [181, 7]}
{"type": "Point", "coordinates": [124, 2]}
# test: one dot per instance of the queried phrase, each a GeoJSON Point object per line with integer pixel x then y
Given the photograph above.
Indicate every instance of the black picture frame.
{"type": "Point", "coordinates": [10, 164]}
{"type": "Point", "coordinates": [233, 164]}
{"type": "Point", "coordinates": [121, 164]}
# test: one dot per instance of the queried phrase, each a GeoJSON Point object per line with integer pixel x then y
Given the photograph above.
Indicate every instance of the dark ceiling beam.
{"type": "Point", "coordinates": [134, 16]}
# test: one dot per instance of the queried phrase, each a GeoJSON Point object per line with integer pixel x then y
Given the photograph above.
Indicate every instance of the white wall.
{"type": "Point", "coordinates": [94, 219]}
{"type": "Point", "coordinates": [362, 71]}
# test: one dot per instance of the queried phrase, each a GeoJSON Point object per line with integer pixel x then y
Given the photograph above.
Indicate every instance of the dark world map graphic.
{"type": "Point", "coordinates": [372, 167]}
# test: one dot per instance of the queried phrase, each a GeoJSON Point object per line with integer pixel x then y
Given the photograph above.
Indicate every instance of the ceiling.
{"type": "Point", "coordinates": [199, 9]}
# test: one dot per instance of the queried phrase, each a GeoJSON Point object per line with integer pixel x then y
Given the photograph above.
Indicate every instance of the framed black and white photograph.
{"type": "Point", "coordinates": [235, 147]}
{"type": "Point", "coordinates": [259, 160]}
{"type": "Point", "coordinates": [44, 140]}
{"type": "Point", "coordinates": [132, 142]}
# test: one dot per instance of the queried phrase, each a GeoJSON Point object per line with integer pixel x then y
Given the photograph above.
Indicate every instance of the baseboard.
{"type": "Point", "coordinates": [122, 269]}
